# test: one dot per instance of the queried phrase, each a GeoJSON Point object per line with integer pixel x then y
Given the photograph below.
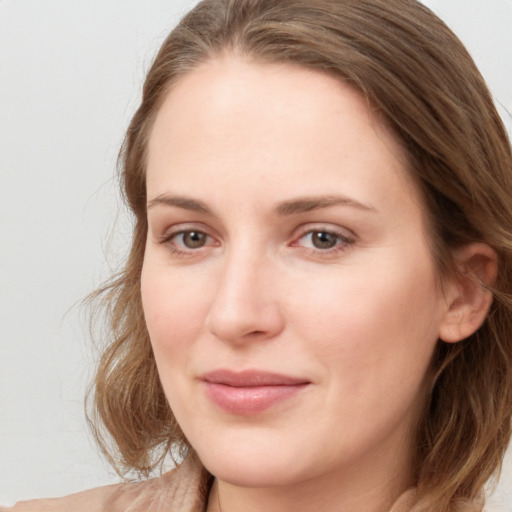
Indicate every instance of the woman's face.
{"type": "Point", "coordinates": [288, 286]}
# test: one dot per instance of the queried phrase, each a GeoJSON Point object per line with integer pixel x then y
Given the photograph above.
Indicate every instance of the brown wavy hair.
{"type": "Point", "coordinates": [419, 77]}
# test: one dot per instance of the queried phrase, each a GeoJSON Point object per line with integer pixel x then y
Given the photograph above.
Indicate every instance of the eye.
{"type": "Point", "coordinates": [191, 239]}
{"type": "Point", "coordinates": [324, 240]}
{"type": "Point", "coordinates": [183, 242]}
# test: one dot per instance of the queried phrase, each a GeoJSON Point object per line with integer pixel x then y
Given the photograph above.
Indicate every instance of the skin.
{"type": "Point", "coordinates": [359, 320]}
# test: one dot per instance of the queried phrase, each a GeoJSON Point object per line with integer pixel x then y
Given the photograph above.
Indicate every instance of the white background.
{"type": "Point", "coordinates": [70, 78]}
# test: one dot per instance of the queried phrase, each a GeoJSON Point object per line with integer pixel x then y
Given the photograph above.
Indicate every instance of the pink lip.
{"type": "Point", "coordinates": [250, 391]}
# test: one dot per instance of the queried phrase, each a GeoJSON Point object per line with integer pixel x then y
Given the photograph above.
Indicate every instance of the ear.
{"type": "Point", "coordinates": [467, 293]}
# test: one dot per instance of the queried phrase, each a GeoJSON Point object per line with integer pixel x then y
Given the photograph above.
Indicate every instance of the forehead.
{"type": "Point", "coordinates": [225, 90]}
{"type": "Point", "coordinates": [233, 122]}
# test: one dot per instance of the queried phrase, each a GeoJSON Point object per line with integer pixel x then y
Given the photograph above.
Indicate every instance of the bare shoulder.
{"type": "Point", "coordinates": [183, 489]}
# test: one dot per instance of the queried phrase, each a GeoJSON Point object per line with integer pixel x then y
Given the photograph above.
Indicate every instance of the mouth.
{"type": "Point", "coordinates": [251, 391]}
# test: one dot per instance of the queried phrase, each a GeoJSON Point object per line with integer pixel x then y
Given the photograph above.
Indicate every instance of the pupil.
{"type": "Point", "coordinates": [323, 240]}
{"type": "Point", "coordinates": [194, 239]}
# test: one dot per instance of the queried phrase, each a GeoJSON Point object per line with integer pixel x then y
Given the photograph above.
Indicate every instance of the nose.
{"type": "Point", "coordinates": [246, 305]}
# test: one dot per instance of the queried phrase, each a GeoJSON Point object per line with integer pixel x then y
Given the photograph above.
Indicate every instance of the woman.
{"type": "Point", "coordinates": [316, 311]}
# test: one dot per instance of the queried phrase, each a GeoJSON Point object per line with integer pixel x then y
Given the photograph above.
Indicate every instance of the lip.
{"type": "Point", "coordinates": [250, 391]}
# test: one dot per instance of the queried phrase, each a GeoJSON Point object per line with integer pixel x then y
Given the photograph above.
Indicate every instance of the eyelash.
{"type": "Point", "coordinates": [343, 242]}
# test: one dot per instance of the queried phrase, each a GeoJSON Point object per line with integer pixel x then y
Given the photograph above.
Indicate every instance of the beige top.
{"type": "Point", "coordinates": [184, 489]}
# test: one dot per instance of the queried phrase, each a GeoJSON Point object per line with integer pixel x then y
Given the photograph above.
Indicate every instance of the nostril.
{"type": "Point", "coordinates": [256, 333]}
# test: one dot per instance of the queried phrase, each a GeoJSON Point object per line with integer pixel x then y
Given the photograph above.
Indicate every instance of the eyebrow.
{"type": "Point", "coordinates": [291, 207]}
{"type": "Point", "coordinates": [185, 203]}
{"type": "Point", "coordinates": [308, 204]}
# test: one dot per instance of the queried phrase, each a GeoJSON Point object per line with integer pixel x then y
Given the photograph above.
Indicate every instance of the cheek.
{"type": "Point", "coordinates": [375, 327]}
{"type": "Point", "coordinates": [373, 337]}
{"type": "Point", "coordinates": [175, 309]}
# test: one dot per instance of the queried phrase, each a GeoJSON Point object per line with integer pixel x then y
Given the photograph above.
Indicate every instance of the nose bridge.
{"type": "Point", "coordinates": [246, 300]}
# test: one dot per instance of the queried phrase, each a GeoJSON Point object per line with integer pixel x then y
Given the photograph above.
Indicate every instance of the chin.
{"type": "Point", "coordinates": [251, 465]}
{"type": "Point", "coordinates": [249, 475]}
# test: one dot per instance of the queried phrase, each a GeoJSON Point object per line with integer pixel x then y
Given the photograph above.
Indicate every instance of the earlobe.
{"type": "Point", "coordinates": [468, 295]}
